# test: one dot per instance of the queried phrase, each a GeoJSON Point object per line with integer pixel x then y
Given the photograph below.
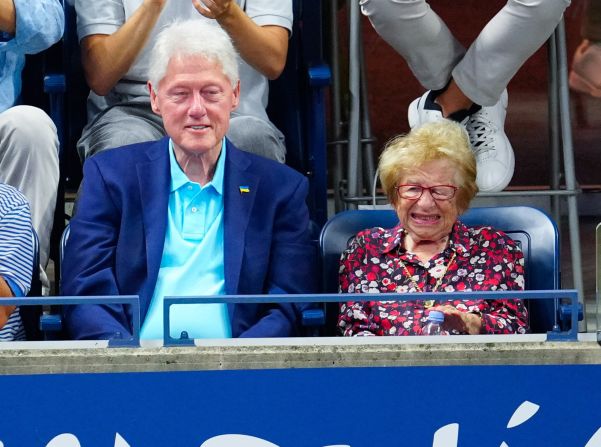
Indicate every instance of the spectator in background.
{"type": "Point", "coordinates": [189, 214]}
{"type": "Point", "coordinates": [429, 176]}
{"type": "Point", "coordinates": [116, 37]}
{"type": "Point", "coordinates": [28, 138]}
{"type": "Point", "coordinates": [467, 86]}
{"type": "Point", "coordinates": [16, 258]}
{"type": "Point", "coordinates": [585, 76]}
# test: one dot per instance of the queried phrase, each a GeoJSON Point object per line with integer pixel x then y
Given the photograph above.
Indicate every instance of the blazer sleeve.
{"type": "Point", "coordinates": [292, 266]}
{"type": "Point", "coordinates": [89, 260]}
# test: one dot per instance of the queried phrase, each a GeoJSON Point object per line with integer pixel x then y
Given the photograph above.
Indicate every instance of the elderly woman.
{"type": "Point", "coordinates": [429, 176]}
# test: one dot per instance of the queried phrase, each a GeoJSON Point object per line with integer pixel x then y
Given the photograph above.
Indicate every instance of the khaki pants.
{"type": "Point", "coordinates": [29, 162]}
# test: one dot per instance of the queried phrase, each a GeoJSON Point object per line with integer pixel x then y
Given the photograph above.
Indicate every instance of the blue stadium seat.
{"type": "Point", "coordinates": [296, 103]}
{"type": "Point", "coordinates": [534, 231]}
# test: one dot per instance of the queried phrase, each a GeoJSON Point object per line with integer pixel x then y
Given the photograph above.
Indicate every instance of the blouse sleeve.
{"type": "Point", "coordinates": [354, 316]}
{"type": "Point", "coordinates": [507, 316]}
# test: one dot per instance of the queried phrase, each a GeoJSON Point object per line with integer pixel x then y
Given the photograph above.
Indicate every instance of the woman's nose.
{"type": "Point", "coordinates": [426, 198]}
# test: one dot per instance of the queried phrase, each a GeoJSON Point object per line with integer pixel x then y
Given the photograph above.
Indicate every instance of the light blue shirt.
{"type": "Point", "coordinates": [40, 24]}
{"type": "Point", "coordinates": [192, 262]}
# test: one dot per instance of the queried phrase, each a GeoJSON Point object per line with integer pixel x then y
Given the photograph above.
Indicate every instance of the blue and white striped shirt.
{"type": "Point", "coordinates": [16, 253]}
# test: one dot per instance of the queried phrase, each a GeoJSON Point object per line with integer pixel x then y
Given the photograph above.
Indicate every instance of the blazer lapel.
{"type": "Point", "coordinates": [154, 180]}
{"type": "Point", "coordinates": [239, 192]}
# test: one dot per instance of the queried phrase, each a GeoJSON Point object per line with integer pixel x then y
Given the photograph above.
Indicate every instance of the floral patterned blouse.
{"type": "Point", "coordinates": [485, 259]}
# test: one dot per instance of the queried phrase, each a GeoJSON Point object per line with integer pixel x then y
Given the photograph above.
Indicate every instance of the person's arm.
{"type": "Point", "coordinates": [291, 265]}
{"type": "Point", "coordinates": [494, 316]}
{"type": "Point", "coordinates": [508, 316]}
{"type": "Point", "coordinates": [354, 316]}
{"type": "Point", "coordinates": [8, 16]}
{"type": "Point", "coordinates": [5, 311]}
{"type": "Point", "coordinates": [106, 58]}
{"type": "Point", "coordinates": [16, 248]}
{"type": "Point", "coordinates": [88, 263]}
{"type": "Point", "coordinates": [463, 322]}
{"type": "Point", "coordinates": [35, 25]}
{"type": "Point", "coordinates": [263, 47]}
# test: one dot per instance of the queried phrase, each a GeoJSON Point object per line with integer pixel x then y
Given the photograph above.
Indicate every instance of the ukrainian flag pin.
{"type": "Point", "coordinates": [244, 189]}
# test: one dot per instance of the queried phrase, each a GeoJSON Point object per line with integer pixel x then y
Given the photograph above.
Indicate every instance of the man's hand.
{"type": "Point", "coordinates": [213, 9]}
{"type": "Point", "coordinates": [263, 47]}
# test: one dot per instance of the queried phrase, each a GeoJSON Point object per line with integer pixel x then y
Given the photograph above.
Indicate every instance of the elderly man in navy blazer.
{"type": "Point", "coordinates": [190, 214]}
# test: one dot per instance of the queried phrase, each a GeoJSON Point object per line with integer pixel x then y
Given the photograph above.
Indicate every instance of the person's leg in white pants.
{"type": "Point", "coordinates": [519, 29]}
{"type": "Point", "coordinates": [420, 36]}
{"type": "Point", "coordinates": [29, 162]}
{"type": "Point", "coordinates": [467, 86]}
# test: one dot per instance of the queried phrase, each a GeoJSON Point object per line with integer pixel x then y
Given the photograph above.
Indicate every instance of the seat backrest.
{"type": "Point", "coordinates": [76, 99]}
{"type": "Point", "coordinates": [63, 244]}
{"type": "Point", "coordinates": [296, 104]}
{"type": "Point", "coordinates": [532, 229]}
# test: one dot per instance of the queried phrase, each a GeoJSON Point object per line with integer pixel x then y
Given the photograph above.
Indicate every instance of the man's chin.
{"type": "Point", "coordinates": [198, 145]}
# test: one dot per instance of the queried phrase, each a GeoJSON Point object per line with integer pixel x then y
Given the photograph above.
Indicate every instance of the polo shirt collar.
{"type": "Point", "coordinates": [179, 178]}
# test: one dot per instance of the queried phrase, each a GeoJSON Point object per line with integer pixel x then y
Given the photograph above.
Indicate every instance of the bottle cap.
{"type": "Point", "coordinates": [436, 315]}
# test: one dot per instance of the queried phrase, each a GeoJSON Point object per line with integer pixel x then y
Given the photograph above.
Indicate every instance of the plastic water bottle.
{"type": "Point", "coordinates": [433, 324]}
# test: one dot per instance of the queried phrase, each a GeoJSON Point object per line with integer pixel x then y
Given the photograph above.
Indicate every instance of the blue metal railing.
{"type": "Point", "coordinates": [129, 300]}
{"type": "Point", "coordinates": [556, 334]}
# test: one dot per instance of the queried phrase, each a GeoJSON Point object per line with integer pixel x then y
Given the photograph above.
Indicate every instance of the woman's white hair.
{"type": "Point", "coordinates": [193, 38]}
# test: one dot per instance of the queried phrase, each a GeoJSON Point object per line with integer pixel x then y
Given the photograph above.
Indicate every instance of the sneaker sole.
{"type": "Point", "coordinates": [503, 182]}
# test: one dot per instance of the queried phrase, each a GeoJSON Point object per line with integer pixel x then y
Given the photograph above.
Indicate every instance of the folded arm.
{"type": "Point", "coordinates": [106, 58]}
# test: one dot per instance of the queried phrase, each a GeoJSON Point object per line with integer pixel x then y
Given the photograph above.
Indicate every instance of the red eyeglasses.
{"type": "Point", "coordinates": [414, 192]}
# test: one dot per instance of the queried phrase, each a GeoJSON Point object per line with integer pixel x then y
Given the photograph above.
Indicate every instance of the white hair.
{"type": "Point", "coordinates": [193, 38]}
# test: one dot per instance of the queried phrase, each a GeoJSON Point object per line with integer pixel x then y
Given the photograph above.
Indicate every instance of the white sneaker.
{"type": "Point", "coordinates": [494, 155]}
{"type": "Point", "coordinates": [424, 110]}
{"type": "Point", "coordinates": [485, 126]}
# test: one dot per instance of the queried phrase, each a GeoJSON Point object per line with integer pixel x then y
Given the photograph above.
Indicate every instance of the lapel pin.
{"type": "Point", "coordinates": [244, 189]}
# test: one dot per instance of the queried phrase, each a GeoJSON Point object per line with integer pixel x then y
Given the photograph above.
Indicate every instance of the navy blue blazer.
{"type": "Point", "coordinates": [118, 232]}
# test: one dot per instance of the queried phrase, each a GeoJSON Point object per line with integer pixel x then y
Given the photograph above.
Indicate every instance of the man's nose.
{"type": "Point", "coordinates": [197, 106]}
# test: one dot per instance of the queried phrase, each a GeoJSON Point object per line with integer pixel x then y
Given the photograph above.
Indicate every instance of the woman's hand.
{"type": "Point", "coordinates": [463, 322]}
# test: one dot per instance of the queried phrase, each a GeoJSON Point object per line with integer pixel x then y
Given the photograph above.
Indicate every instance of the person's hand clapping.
{"type": "Point", "coordinates": [213, 9]}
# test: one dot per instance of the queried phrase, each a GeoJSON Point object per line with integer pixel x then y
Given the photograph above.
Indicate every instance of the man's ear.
{"type": "Point", "coordinates": [236, 93]}
{"type": "Point", "coordinates": [154, 102]}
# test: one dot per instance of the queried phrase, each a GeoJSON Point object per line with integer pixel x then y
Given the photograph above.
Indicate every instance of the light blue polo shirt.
{"type": "Point", "coordinates": [192, 262]}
